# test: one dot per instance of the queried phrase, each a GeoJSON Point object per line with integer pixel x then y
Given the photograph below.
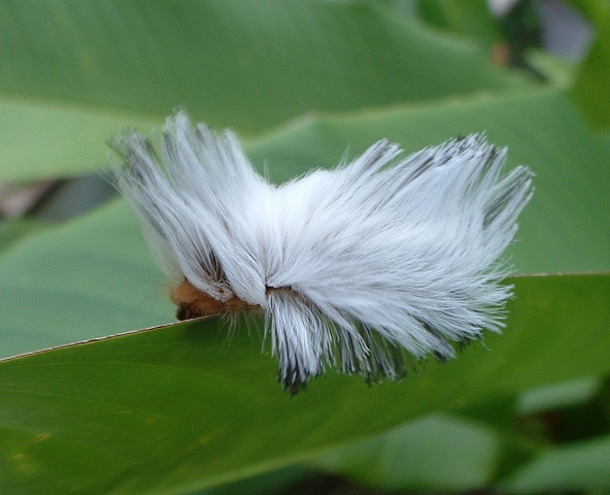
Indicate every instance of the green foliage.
{"type": "Point", "coordinates": [591, 89]}
{"type": "Point", "coordinates": [180, 406]}
{"type": "Point", "coordinates": [183, 407]}
{"type": "Point", "coordinates": [411, 455]}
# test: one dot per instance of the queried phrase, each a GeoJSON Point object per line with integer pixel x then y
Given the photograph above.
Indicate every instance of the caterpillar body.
{"type": "Point", "coordinates": [388, 258]}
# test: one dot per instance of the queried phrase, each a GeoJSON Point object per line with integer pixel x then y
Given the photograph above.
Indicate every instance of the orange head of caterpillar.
{"type": "Point", "coordinates": [194, 303]}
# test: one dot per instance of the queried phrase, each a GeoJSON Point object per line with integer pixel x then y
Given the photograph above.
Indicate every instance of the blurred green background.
{"type": "Point", "coordinates": [183, 408]}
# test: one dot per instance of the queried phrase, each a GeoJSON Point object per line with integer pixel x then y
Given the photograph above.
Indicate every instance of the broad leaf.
{"type": "Point", "coordinates": [250, 65]}
{"type": "Point", "coordinates": [87, 278]}
{"type": "Point", "coordinates": [580, 466]}
{"type": "Point", "coordinates": [12, 231]}
{"type": "Point", "coordinates": [471, 19]}
{"type": "Point", "coordinates": [411, 456]}
{"type": "Point", "coordinates": [51, 141]}
{"type": "Point", "coordinates": [591, 89]}
{"type": "Point", "coordinates": [180, 407]}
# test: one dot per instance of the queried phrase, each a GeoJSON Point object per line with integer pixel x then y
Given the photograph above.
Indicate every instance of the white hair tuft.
{"type": "Point", "coordinates": [354, 266]}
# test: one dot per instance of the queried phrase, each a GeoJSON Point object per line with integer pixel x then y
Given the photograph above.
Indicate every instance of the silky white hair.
{"type": "Point", "coordinates": [352, 266]}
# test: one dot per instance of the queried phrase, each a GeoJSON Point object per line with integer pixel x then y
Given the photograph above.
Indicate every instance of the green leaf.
{"type": "Point", "coordinates": [595, 10]}
{"type": "Point", "coordinates": [50, 141]}
{"type": "Point", "coordinates": [584, 466]}
{"type": "Point", "coordinates": [250, 65]}
{"type": "Point", "coordinates": [180, 407]}
{"type": "Point", "coordinates": [88, 278]}
{"type": "Point", "coordinates": [438, 452]}
{"type": "Point", "coordinates": [273, 482]}
{"type": "Point", "coordinates": [73, 73]}
{"type": "Point", "coordinates": [471, 19]}
{"type": "Point", "coordinates": [591, 89]}
{"type": "Point", "coordinates": [557, 396]}
{"type": "Point", "coordinates": [12, 231]}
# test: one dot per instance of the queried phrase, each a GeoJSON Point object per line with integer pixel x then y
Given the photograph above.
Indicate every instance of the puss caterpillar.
{"type": "Point", "coordinates": [359, 267]}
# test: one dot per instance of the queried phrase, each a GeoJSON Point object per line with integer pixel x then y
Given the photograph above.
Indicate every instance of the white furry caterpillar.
{"type": "Point", "coordinates": [355, 265]}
